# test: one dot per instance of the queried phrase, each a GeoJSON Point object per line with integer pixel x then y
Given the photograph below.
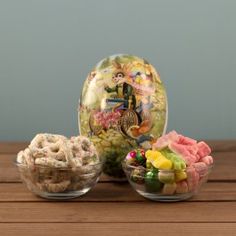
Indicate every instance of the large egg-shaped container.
{"type": "Point", "coordinates": [123, 106]}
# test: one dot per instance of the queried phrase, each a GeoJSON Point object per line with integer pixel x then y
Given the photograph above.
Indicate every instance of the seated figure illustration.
{"type": "Point", "coordinates": [125, 98]}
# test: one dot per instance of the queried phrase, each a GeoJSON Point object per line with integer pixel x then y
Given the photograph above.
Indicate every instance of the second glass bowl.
{"type": "Point", "coordinates": [163, 185]}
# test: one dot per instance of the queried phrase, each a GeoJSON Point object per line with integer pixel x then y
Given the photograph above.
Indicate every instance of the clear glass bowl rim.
{"type": "Point", "coordinates": [125, 166]}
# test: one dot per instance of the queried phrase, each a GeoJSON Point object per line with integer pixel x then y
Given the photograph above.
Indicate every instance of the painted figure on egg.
{"type": "Point", "coordinates": [124, 91]}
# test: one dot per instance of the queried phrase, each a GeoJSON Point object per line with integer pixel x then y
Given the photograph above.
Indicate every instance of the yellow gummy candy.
{"type": "Point", "coordinates": [148, 164]}
{"type": "Point", "coordinates": [162, 163]}
{"type": "Point", "coordinates": [180, 175]}
{"type": "Point", "coordinates": [151, 155]}
{"type": "Point", "coordinates": [158, 160]}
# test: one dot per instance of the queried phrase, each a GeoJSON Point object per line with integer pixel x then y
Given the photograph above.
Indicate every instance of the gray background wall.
{"type": "Point", "coordinates": [47, 47]}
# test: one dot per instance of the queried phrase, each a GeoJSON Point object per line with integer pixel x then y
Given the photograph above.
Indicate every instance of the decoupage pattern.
{"type": "Point", "coordinates": [123, 105]}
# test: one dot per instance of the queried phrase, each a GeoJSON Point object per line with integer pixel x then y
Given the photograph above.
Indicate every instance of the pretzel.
{"type": "Point", "coordinates": [53, 187]}
{"type": "Point", "coordinates": [25, 157]}
{"type": "Point", "coordinates": [57, 163]}
{"type": "Point", "coordinates": [50, 162]}
{"type": "Point", "coordinates": [83, 151]}
{"type": "Point", "coordinates": [45, 145]}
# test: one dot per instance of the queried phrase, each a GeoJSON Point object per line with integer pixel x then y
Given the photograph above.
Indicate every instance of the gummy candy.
{"type": "Point", "coordinates": [166, 177]}
{"type": "Point", "coordinates": [152, 182]}
{"type": "Point", "coordinates": [169, 189]}
{"type": "Point", "coordinates": [180, 175]}
{"type": "Point", "coordinates": [158, 160]}
{"type": "Point", "coordinates": [178, 162]}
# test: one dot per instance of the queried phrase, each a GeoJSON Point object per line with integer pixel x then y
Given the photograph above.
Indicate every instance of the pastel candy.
{"type": "Point", "coordinates": [179, 165]}
{"type": "Point", "coordinates": [166, 177]}
{"type": "Point", "coordinates": [182, 187]}
{"type": "Point", "coordinates": [192, 149]}
{"type": "Point", "coordinates": [177, 161]}
{"type": "Point", "coordinates": [151, 155]}
{"type": "Point", "coordinates": [158, 160]}
{"type": "Point", "coordinates": [192, 178]}
{"type": "Point", "coordinates": [128, 156]}
{"type": "Point", "coordinates": [183, 152]}
{"type": "Point", "coordinates": [208, 160]}
{"type": "Point", "coordinates": [165, 140]}
{"type": "Point", "coordinates": [186, 140]}
{"type": "Point", "coordinates": [169, 189]}
{"type": "Point", "coordinates": [203, 149]}
{"type": "Point", "coordinates": [201, 168]}
{"type": "Point", "coordinates": [188, 149]}
{"type": "Point", "coordinates": [180, 175]}
{"type": "Point", "coordinates": [162, 163]}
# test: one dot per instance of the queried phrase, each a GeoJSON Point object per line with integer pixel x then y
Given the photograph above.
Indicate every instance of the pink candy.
{"type": "Point", "coordinates": [203, 149]}
{"type": "Point", "coordinates": [207, 160]}
{"type": "Point", "coordinates": [187, 148]}
{"type": "Point", "coordinates": [186, 141]}
{"type": "Point", "coordinates": [193, 179]}
{"type": "Point", "coordinates": [165, 140]}
{"type": "Point", "coordinates": [184, 152]}
{"type": "Point", "coordinates": [182, 187]}
{"type": "Point", "coordinates": [201, 168]}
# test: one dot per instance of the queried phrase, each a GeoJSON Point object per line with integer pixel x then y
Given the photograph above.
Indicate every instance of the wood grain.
{"type": "Point", "coordinates": [115, 192]}
{"type": "Point", "coordinates": [12, 147]}
{"type": "Point", "coordinates": [98, 212]}
{"type": "Point", "coordinates": [124, 229]}
{"type": "Point", "coordinates": [222, 145]}
{"type": "Point", "coordinates": [113, 207]}
{"type": "Point", "coordinates": [224, 168]}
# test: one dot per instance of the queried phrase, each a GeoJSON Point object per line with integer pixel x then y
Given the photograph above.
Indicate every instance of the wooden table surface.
{"type": "Point", "coordinates": [113, 208]}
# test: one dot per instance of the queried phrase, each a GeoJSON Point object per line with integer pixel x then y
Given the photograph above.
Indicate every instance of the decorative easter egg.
{"type": "Point", "coordinates": [123, 106]}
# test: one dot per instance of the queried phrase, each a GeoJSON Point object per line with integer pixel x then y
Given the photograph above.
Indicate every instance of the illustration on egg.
{"type": "Point", "coordinates": [123, 105]}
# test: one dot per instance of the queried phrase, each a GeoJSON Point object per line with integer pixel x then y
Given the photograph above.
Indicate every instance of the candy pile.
{"type": "Point", "coordinates": [175, 165]}
{"type": "Point", "coordinates": [53, 163]}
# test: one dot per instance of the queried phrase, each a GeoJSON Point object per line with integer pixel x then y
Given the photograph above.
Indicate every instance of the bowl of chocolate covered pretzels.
{"type": "Point", "coordinates": [56, 167]}
{"type": "Point", "coordinates": [173, 170]}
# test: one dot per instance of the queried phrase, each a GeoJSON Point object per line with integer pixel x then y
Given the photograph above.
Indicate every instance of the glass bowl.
{"type": "Point", "coordinates": [59, 183]}
{"type": "Point", "coordinates": [166, 185]}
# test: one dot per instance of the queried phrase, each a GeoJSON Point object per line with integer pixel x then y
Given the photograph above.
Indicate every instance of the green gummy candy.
{"type": "Point", "coordinates": [166, 177]}
{"type": "Point", "coordinates": [178, 162]}
{"type": "Point", "coordinates": [152, 182]}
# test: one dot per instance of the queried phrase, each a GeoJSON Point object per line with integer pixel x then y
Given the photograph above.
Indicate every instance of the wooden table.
{"type": "Point", "coordinates": [113, 208]}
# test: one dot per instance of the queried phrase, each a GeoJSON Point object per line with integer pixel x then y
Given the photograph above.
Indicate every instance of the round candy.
{"type": "Point", "coordinates": [140, 158]}
{"type": "Point", "coordinates": [142, 153]}
{"type": "Point", "coordinates": [123, 106]}
{"type": "Point", "coordinates": [151, 181]}
{"type": "Point", "coordinates": [132, 154]}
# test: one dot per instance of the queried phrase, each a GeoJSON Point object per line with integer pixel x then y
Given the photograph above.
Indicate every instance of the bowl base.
{"type": "Point", "coordinates": [62, 196]}
{"type": "Point", "coordinates": [166, 198]}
